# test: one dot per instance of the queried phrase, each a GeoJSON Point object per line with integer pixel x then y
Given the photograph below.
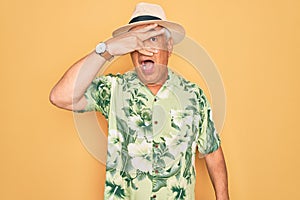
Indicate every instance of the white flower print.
{"type": "Point", "coordinates": [135, 122]}
{"type": "Point", "coordinates": [113, 157]}
{"type": "Point", "coordinates": [178, 189]}
{"type": "Point", "coordinates": [181, 118]}
{"type": "Point", "coordinates": [177, 143]}
{"type": "Point", "coordinates": [115, 140]}
{"type": "Point", "coordinates": [140, 154]}
{"type": "Point", "coordinates": [115, 137]}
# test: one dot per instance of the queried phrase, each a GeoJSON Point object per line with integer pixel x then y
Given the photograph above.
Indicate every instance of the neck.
{"type": "Point", "coordinates": [154, 88]}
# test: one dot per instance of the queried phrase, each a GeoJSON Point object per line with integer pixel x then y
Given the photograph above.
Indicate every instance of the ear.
{"type": "Point", "coordinates": [170, 46]}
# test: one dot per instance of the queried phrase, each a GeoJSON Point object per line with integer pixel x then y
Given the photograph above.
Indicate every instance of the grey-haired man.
{"type": "Point", "coordinates": [156, 118]}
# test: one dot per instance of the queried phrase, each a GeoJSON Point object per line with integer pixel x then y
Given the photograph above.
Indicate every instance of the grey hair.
{"type": "Point", "coordinates": [167, 34]}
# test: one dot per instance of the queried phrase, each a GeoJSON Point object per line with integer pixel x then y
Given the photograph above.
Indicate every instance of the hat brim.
{"type": "Point", "coordinates": [177, 31]}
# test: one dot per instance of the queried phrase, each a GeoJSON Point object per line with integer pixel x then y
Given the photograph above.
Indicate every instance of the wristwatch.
{"type": "Point", "coordinates": [101, 49]}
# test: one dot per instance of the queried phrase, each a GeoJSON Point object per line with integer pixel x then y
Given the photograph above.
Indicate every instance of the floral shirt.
{"type": "Point", "coordinates": [152, 140]}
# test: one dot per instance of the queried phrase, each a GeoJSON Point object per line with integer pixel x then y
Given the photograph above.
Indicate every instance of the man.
{"type": "Point", "coordinates": [156, 118]}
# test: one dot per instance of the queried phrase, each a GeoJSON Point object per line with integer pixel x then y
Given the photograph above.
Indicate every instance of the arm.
{"type": "Point", "coordinates": [68, 93]}
{"type": "Point", "coordinates": [216, 166]}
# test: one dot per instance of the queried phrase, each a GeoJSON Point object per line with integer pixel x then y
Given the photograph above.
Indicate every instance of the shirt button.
{"type": "Point", "coordinates": [155, 99]}
{"type": "Point", "coordinates": [154, 196]}
{"type": "Point", "coordinates": [155, 122]}
{"type": "Point", "coordinates": [156, 145]}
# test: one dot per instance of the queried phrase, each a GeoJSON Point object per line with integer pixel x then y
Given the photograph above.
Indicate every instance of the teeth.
{"type": "Point", "coordinates": [146, 64]}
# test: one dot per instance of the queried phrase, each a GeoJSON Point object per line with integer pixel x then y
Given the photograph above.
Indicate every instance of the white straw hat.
{"type": "Point", "coordinates": [146, 13]}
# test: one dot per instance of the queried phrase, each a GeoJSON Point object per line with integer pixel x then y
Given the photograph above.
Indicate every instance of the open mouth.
{"type": "Point", "coordinates": [147, 66]}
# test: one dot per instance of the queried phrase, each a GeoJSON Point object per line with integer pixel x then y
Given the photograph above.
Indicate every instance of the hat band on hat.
{"type": "Point", "coordinates": [143, 18]}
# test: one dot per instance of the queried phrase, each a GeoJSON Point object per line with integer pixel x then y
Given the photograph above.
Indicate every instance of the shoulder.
{"type": "Point", "coordinates": [189, 88]}
{"type": "Point", "coordinates": [127, 76]}
{"type": "Point", "coordinates": [124, 81]}
{"type": "Point", "coordinates": [110, 77]}
{"type": "Point", "coordinates": [180, 81]}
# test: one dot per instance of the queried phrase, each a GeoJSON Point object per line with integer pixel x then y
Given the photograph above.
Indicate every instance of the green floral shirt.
{"type": "Point", "coordinates": [152, 140]}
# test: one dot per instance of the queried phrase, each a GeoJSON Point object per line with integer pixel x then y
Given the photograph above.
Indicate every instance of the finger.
{"type": "Point", "coordinates": [143, 49]}
{"type": "Point", "coordinates": [146, 28]}
{"type": "Point", "coordinates": [150, 49]}
{"type": "Point", "coordinates": [140, 44]}
{"type": "Point", "coordinates": [149, 34]}
{"type": "Point", "coordinates": [145, 52]}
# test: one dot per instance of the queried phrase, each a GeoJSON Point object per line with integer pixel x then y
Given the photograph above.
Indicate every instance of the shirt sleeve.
{"type": "Point", "coordinates": [98, 95]}
{"type": "Point", "coordinates": [208, 139]}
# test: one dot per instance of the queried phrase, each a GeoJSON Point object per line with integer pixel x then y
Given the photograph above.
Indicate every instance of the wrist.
{"type": "Point", "coordinates": [102, 49]}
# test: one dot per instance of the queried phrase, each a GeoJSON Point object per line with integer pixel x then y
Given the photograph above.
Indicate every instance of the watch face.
{"type": "Point", "coordinates": [101, 47]}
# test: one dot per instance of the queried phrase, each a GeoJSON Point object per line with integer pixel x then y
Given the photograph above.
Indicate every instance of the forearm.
{"type": "Point", "coordinates": [216, 166]}
{"type": "Point", "coordinates": [68, 93]}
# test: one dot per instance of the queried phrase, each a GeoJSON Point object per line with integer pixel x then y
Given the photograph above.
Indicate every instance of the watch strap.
{"type": "Point", "coordinates": [107, 55]}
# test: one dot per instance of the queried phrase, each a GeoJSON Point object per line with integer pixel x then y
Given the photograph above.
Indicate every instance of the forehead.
{"type": "Point", "coordinates": [144, 25]}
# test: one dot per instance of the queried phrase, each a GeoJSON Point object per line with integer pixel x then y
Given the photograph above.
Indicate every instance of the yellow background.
{"type": "Point", "coordinates": [255, 45]}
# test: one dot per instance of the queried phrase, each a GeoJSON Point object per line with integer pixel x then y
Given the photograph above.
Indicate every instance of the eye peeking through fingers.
{"type": "Point", "coordinates": [153, 39]}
